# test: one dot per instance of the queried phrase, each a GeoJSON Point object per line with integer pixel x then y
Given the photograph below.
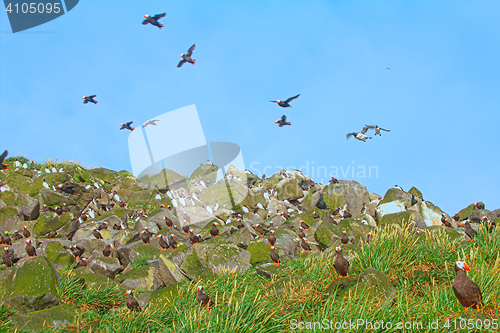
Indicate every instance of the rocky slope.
{"type": "Point", "coordinates": [72, 201]}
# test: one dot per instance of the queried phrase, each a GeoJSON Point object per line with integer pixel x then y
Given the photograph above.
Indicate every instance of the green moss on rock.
{"type": "Point", "coordinates": [416, 192]}
{"type": "Point", "coordinates": [58, 255]}
{"type": "Point", "coordinates": [260, 251]}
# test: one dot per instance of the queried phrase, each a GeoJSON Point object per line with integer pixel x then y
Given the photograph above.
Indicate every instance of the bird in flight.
{"type": "Point", "coordinates": [377, 129]}
{"type": "Point", "coordinates": [361, 136]}
{"type": "Point", "coordinates": [154, 20]}
{"type": "Point", "coordinates": [126, 126]}
{"type": "Point", "coordinates": [187, 57]}
{"type": "Point", "coordinates": [284, 104]}
{"type": "Point", "coordinates": [282, 122]}
{"type": "Point", "coordinates": [89, 99]}
{"type": "Point", "coordinates": [150, 122]}
{"type": "Point", "coordinates": [388, 68]}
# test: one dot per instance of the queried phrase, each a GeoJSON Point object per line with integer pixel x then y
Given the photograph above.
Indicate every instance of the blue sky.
{"type": "Point", "coordinates": [440, 99]}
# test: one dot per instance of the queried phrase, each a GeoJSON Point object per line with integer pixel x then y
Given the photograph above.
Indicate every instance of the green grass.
{"type": "Point", "coordinates": [420, 268]}
{"type": "Point", "coordinates": [141, 261]}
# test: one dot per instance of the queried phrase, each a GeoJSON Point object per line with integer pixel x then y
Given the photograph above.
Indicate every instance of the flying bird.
{"type": "Point", "coordinates": [377, 129]}
{"type": "Point", "coordinates": [361, 136]}
{"type": "Point", "coordinates": [284, 104]}
{"type": "Point", "coordinates": [388, 68]}
{"type": "Point", "coordinates": [2, 157]}
{"type": "Point", "coordinates": [154, 20]}
{"type": "Point", "coordinates": [150, 122]}
{"type": "Point", "coordinates": [187, 57]}
{"type": "Point", "coordinates": [89, 99]}
{"type": "Point", "coordinates": [126, 126]}
{"type": "Point", "coordinates": [282, 122]}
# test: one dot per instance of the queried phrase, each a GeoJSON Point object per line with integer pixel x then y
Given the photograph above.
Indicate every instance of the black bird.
{"type": "Point", "coordinates": [132, 303]}
{"type": "Point", "coordinates": [2, 157]}
{"type": "Point", "coordinates": [315, 215]}
{"type": "Point", "coordinates": [70, 189]}
{"type": "Point", "coordinates": [30, 249]}
{"type": "Point", "coordinates": [304, 225]}
{"type": "Point", "coordinates": [321, 203]}
{"type": "Point", "coordinates": [107, 250]}
{"type": "Point", "coordinates": [168, 222]}
{"type": "Point", "coordinates": [26, 232]}
{"type": "Point", "coordinates": [479, 205]}
{"type": "Point", "coordinates": [377, 129]}
{"type": "Point", "coordinates": [96, 233]}
{"type": "Point", "coordinates": [82, 263]}
{"type": "Point", "coordinates": [282, 122]}
{"type": "Point", "coordinates": [214, 231]}
{"type": "Point", "coordinates": [202, 298]}
{"type": "Point", "coordinates": [89, 99]}
{"type": "Point", "coordinates": [304, 245]}
{"type": "Point", "coordinates": [272, 238]}
{"type": "Point", "coordinates": [150, 122]}
{"type": "Point", "coordinates": [344, 239]}
{"type": "Point", "coordinates": [144, 237]}
{"type": "Point", "coordinates": [341, 264]}
{"type": "Point", "coordinates": [260, 230]}
{"type": "Point", "coordinates": [52, 234]}
{"type": "Point", "coordinates": [240, 224]}
{"type": "Point", "coordinates": [77, 252]}
{"type": "Point", "coordinates": [187, 57]}
{"type": "Point", "coordinates": [161, 241]}
{"type": "Point", "coordinates": [193, 238]}
{"type": "Point", "coordinates": [58, 210]}
{"type": "Point", "coordinates": [126, 126]}
{"type": "Point", "coordinates": [6, 240]}
{"type": "Point", "coordinates": [361, 136]}
{"type": "Point", "coordinates": [468, 230]}
{"type": "Point", "coordinates": [16, 235]}
{"type": "Point", "coordinates": [445, 221]}
{"type": "Point", "coordinates": [467, 291]}
{"type": "Point", "coordinates": [301, 233]}
{"type": "Point", "coordinates": [274, 257]}
{"type": "Point", "coordinates": [154, 20]}
{"type": "Point", "coordinates": [284, 104]}
{"type": "Point", "coordinates": [7, 258]}
{"type": "Point", "coordinates": [172, 243]}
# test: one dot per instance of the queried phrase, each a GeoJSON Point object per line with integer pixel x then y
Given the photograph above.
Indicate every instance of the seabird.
{"type": "Point", "coordinates": [388, 68]}
{"type": "Point", "coordinates": [187, 57]}
{"type": "Point", "coordinates": [284, 104]}
{"type": "Point", "coordinates": [30, 250]}
{"type": "Point", "coordinates": [377, 129]}
{"type": "Point", "coordinates": [344, 239]}
{"type": "Point", "coordinates": [272, 238]}
{"type": "Point", "coordinates": [202, 298]}
{"type": "Point", "coordinates": [445, 221]}
{"type": "Point", "coordinates": [2, 157]}
{"type": "Point", "coordinates": [153, 20]}
{"type": "Point", "coordinates": [82, 263]}
{"type": "Point", "coordinates": [361, 136]}
{"type": "Point", "coordinates": [172, 243]}
{"type": "Point", "coordinates": [26, 232]}
{"type": "Point", "coordinates": [150, 122]}
{"type": "Point", "coordinates": [214, 231]}
{"type": "Point", "coordinates": [126, 126]}
{"type": "Point", "coordinates": [282, 122]}
{"type": "Point", "coordinates": [274, 257]}
{"type": "Point", "coordinates": [107, 250]}
{"type": "Point", "coordinates": [466, 290]}
{"type": "Point", "coordinates": [132, 303]}
{"type": "Point", "coordinates": [7, 258]}
{"type": "Point", "coordinates": [89, 99]}
{"type": "Point", "coordinates": [341, 264]}
{"type": "Point", "coordinates": [304, 245]}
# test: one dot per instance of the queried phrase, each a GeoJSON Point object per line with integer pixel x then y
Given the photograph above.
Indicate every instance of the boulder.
{"type": "Point", "coordinates": [58, 256]}
{"type": "Point", "coordinates": [402, 217]}
{"type": "Point", "coordinates": [346, 191]}
{"type": "Point", "coordinates": [288, 188]}
{"type": "Point", "coordinates": [169, 271]}
{"type": "Point", "coordinates": [165, 296]}
{"type": "Point", "coordinates": [259, 250]}
{"type": "Point", "coordinates": [269, 270]}
{"type": "Point", "coordinates": [416, 193]}
{"type": "Point", "coordinates": [30, 286]}
{"type": "Point", "coordinates": [394, 201]}
{"type": "Point", "coordinates": [241, 238]}
{"type": "Point", "coordinates": [58, 317]}
{"type": "Point", "coordinates": [143, 278]}
{"type": "Point", "coordinates": [50, 221]}
{"type": "Point", "coordinates": [108, 267]}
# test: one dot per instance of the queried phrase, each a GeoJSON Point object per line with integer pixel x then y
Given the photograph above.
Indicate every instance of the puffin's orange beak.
{"type": "Point", "coordinates": [144, 16]}
{"type": "Point", "coordinates": [466, 267]}
{"type": "Point", "coordinates": [83, 97]}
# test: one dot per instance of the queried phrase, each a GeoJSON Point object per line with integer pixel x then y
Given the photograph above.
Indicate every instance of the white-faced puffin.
{"type": "Point", "coordinates": [304, 225]}
{"type": "Point", "coordinates": [214, 231]}
{"type": "Point", "coordinates": [377, 129]}
{"type": "Point", "coordinates": [150, 122]}
{"type": "Point", "coordinates": [52, 234]}
{"type": "Point", "coordinates": [489, 225]}
{"type": "Point", "coordinates": [16, 235]}
{"type": "Point", "coordinates": [161, 241]}
{"type": "Point", "coordinates": [341, 264]}
{"type": "Point", "coordinates": [282, 122]}
{"type": "Point", "coordinates": [82, 263]}
{"type": "Point", "coordinates": [284, 104]}
{"type": "Point", "coordinates": [466, 290]}
{"type": "Point", "coordinates": [315, 215]}
{"type": "Point", "coordinates": [7, 258]}
{"type": "Point", "coordinates": [132, 303]}
{"type": "Point", "coordinates": [187, 57]}
{"type": "Point", "coordinates": [168, 222]}
{"type": "Point", "coordinates": [202, 298]}
{"type": "Point", "coordinates": [153, 20]}
{"type": "Point", "coordinates": [107, 250]}
{"type": "Point", "coordinates": [126, 126]}
{"type": "Point", "coordinates": [445, 221]}
{"type": "Point", "coordinates": [96, 233]}
{"type": "Point", "coordinates": [261, 231]}
{"type": "Point", "coordinates": [272, 238]}
{"type": "Point", "coordinates": [70, 189]}
{"type": "Point", "coordinates": [301, 233]}
{"type": "Point", "coordinates": [2, 157]}
{"type": "Point", "coordinates": [26, 232]}
{"type": "Point", "coordinates": [344, 239]}
{"type": "Point", "coordinates": [89, 99]}
{"type": "Point", "coordinates": [193, 238]}
{"type": "Point", "coordinates": [77, 252]}
{"type": "Point", "coordinates": [361, 136]}
{"type": "Point", "coordinates": [30, 249]}
{"type": "Point", "coordinates": [240, 224]}
{"type": "Point", "coordinates": [144, 237]}
{"type": "Point", "coordinates": [468, 230]}
{"type": "Point", "coordinates": [173, 243]}
{"type": "Point", "coordinates": [274, 257]}
{"type": "Point", "coordinates": [304, 245]}
{"type": "Point", "coordinates": [479, 205]}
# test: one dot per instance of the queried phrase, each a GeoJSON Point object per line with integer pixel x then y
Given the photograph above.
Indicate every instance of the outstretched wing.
{"type": "Point", "coordinates": [181, 63]}
{"type": "Point", "coordinates": [364, 129]}
{"type": "Point", "coordinates": [190, 51]}
{"type": "Point", "coordinates": [158, 16]}
{"type": "Point", "coordinates": [370, 126]}
{"type": "Point", "coordinates": [291, 98]}
{"type": "Point", "coordinates": [348, 135]}
{"type": "Point", "coordinates": [3, 156]}
{"type": "Point", "coordinates": [129, 123]}
{"type": "Point", "coordinates": [85, 101]}
{"type": "Point", "coordinates": [92, 96]}
{"type": "Point", "coordinates": [146, 21]}
{"type": "Point", "coordinates": [384, 129]}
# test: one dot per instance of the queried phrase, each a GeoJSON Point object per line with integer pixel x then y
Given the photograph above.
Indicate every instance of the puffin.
{"type": "Point", "coordinates": [261, 231]}
{"type": "Point", "coordinates": [30, 250]}
{"type": "Point", "coordinates": [186, 229]}
{"type": "Point", "coordinates": [284, 104]}
{"type": "Point", "coordinates": [103, 226]}
{"type": "Point", "coordinates": [336, 212]}
{"type": "Point", "coordinates": [65, 208]}
{"type": "Point", "coordinates": [344, 239]}
{"type": "Point", "coordinates": [16, 235]}
{"type": "Point", "coordinates": [304, 245]}
{"type": "Point", "coordinates": [52, 234]}
{"type": "Point", "coordinates": [6, 240]}
{"type": "Point", "coordinates": [202, 298]}
{"type": "Point", "coordinates": [388, 68]}
{"type": "Point", "coordinates": [468, 230]}
{"type": "Point", "coordinates": [172, 243]}
{"type": "Point", "coordinates": [240, 224]}
{"type": "Point", "coordinates": [161, 241]}
{"type": "Point", "coordinates": [126, 126]}
{"type": "Point", "coordinates": [7, 258]}
{"type": "Point", "coordinates": [90, 99]}
{"type": "Point", "coordinates": [315, 215]}
{"type": "Point", "coordinates": [26, 232]}
{"type": "Point", "coordinates": [456, 218]}
{"type": "Point", "coordinates": [361, 136]}
{"type": "Point", "coordinates": [153, 20]}
{"type": "Point", "coordinates": [107, 250]}
{"type": "Point", "coordinates": [2, 157]}
{"type": "Point", "coordinates": [377, 129]}
{"type": "Point", "coordinates": [77, 252]}
{"type": "Point", "coordinates": [369, 237]}
{"type": "Point", "coordinates": [489, 225]}
{"type": "Point", "coordinates": [321, 203]}
{"type": "Point", "coordinates": [58, 210]}
{"type": "Point", "coordinates": [147, 232]}
{"type": "Point", "coordinates": [274, 257]}
{"type": "Point", "coordinates": [144, 237]}
{"type": "Point", "coordinates": [193, 238]}
{"type": "Point", "coordinates": [301, 233]}
{"type": "Point", "coordinates": [479, 205]}
{"type": "Point", "coordinates": [187, 57]}
{"type": "Point", "coordinates": [304, 225]}
{"type": "Point", "coordinates": [70, 189]}
{"type": "Point", "coordinates": [346, 214]}
{"type": "Point", "coordinates": [272, 238]}
{"type": "Point", "coordinates": [466, 290]}
{"type": "Point", "coordinates": [341, 264]}
{"type": "Point", "coordinates": [334, 181]}
{"type": "Point", "coordinates": [168, 222]}
{"type": "Point", "coordinates": [82, 263]}
{"type": "Point", "coordinates": [282, 122]}
{"type": "Point", "coordinates": [150, 122]}
{"type": "Point", "coordinates": [96, 233]}
{"type": "Point", "coordinates": [214, 231]}
{"type": "Point", "coordinates": [132, 303]}
{"type": "Point", "coordinates": [445, 221]}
